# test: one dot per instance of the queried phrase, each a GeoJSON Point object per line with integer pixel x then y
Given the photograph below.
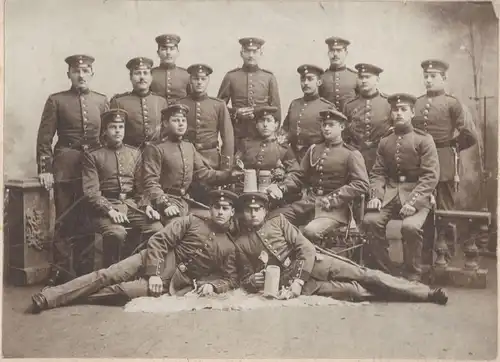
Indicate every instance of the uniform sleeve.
{"type": "Point", "coordinates": [429, 176]}
{"type": "Point", "coordinates": [305, 252]}
{"type": "Point", "coordinates": [292, 167]}
{"type": "Point", "coordinates": [225, 89]}
{"type": "Point", "coordinates": [227, 136]}
{"type": "Point", "coordinates": [114, 103]}
{"type": "Point", "coordinates": [204, 173]}
{"type": "Point", "coordinates": [162, 242]}
{"type": "Point", "coordinates": [91, 185]}
{"type": "Point", "coordinates": [284, 132]}
{"type": "Point", "coordinates": [151, 171]}
{"type": "Point", "coordinates": [294, 181]}
{"type": "Point", "coordinates": [377, 175]}
{"type": "Point", "coordinates": [274, 97]}
{"type": "Point", "coordinates": [463, 123]}
{"type": "Point", "coordinates": [358, 182]}
{"type": "Point", "coordinates": [46, 132]}
{"type": "Point", "coordinates": [245, 270]}
{"type": "Point", "coordinates": [228, 276]}
{"type": "Point", "coordinates": [141, 198]}
{"type": "Point", "coordinates": [106, 105]}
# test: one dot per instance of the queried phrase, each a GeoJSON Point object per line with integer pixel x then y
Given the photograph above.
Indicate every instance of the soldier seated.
{"type": "Point", "coordinates": [333, 174]}
{"type": "Point", "coordinates": [112, 186]}
{"type": "Point", "coordinates": [187, 250]}
{"type": "Point", "coordinates": [272, 240]}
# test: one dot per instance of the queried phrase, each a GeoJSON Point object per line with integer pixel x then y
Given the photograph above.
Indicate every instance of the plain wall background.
{"type": "Point", "coordinates": [393, 35]}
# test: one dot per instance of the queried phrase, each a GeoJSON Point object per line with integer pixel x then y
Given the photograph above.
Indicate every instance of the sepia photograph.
{"type": "Point", "coordinates": [250, 179]}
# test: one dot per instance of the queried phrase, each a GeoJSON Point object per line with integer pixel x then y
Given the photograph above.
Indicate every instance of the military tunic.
{"type": "Point", "coordinates": [169, 168]}
{"type": "Point", "coordinates": [339, 85]}
{"type": "Point", "coordinates": [76, 118]}
{"type": "Point", "coordinates": [249, 87]}
{"type": "Point", "coordinates": [333, 170]}
{"type": "Point", "coordinates": [369, 120]}
{"type": "Point", "coordinates": [208, 118]}
{"type": "Point", "coordinates": [303, 123]}
{"type": "Point", "coordinates": [144, 116]}
{"type": "Point", "coordinates": [111, 180]}
{"type": "Point", "coordinates": [440, 115]}
{"type": "Point", "coordinates": [170, 82]}
{"type": "Point", "coordinates": [406, 171]}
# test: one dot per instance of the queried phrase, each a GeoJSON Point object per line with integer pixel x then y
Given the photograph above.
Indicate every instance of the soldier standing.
{"type": "Point", "coordinates": [302, 124]}
{"type": "Point", "coordinates": [170, 166]}
{"type": "Point", "coordinates": [338, 82]}
{"type": "Point", "coordinates": [111, 180]}
{"type": "Point", "coordinates": [403, 178]}
{"type": "Point", "coordinates": [274, 241]}
{"type": "Point", "coordinates": [75, 115]}
{"type": "Point", "coordinates": [188, 251]}
{"type": "Point", "coordinates": [333, 173]}
{"type": "Point", "coordinates": [142, 106]}
{"type": "Point", "coordinates": [247, 87]}
{"type": "Point", "coordinates": [442, 116]}
{"type": "Point", "coordinates": [368, 114]}
{"type": "Point", "coordinates": [169, 80]}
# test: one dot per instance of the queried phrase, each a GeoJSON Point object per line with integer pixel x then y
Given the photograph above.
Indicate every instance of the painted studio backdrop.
{"type": "Point", "coordinates": [393, 35]}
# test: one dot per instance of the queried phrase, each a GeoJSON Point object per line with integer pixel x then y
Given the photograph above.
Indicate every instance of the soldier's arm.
{"type": "Point", "coordinates": [203, 172]}
{"type": "Point", "coordinates": [274, 97]}
{"type": "Point", "coordinates": [284, 131]}
{"type": "Point", "coordinates": [151, 171]}
{"type": "Point", "coordinates": [305, 252]}
{"type": "Point", "coordinates": [292, 167]}
{"type": "Point", "coordinates": [46, 132]}
{"type": "Point", "coordinates": [114, 102]}
{"type": "Point", "coordinates": [295, 181]}
{"type": "Point", "coordinates": [463, 123]}
{"type": "Point", "coordinates": [227, 136]}
{"type": "Point", "coordinates": [377, 175]}
{"type": "Point", "coordinates": [91, 185]}
{"type": "Point", "coordinates": [358, 183]}
{"type": "Point", "coordinates": [245, 270]}
{"type": "Point", "coordinates": [140, 195]}
{"type": "Point", "coordinates": [162, 242]}
{"type": "Point", "coordinates": [429, 175]}
{"type": "Point", "coordinates": [225, 89]}
{"type": "Point", "coordinates": [227, 279]}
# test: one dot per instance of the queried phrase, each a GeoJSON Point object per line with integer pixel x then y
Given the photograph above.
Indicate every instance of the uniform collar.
{"type": "Point", "coordinates": [141, 95]}
{"type": "Point", "coordinates": [219, 228]}
{"type": "Point", "coordinates": [172, 139]}
{"type": "Point", "coordinates": [250, 68]}
{"type": "Point", "coordinates": [403, 129]}
{"type": "Point", "coordinates": [78, 91]}
{"type": "Point", "coordinates": [338, 142]}
{"type": "Point", "coordinates": [168, 66]}
{"type": "Point", "coordinates": [309, 97]}
{"type": "Point", "coordinates": [199, 97]}
{"type": "Point", "coordinates": [267, 140]}
{"type": "Point", "coordinates": [371, 96]}
{"type": "Point", "coordinates": [435, 93]}
{"type": "Point", "coordinates": [113, 146]}
{"type": "Point", "coordinates": [336, 68]}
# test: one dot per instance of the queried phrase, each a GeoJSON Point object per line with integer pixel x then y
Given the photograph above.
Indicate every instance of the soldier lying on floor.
{"type": "Point", "coordinates": [189, 250]}
{"type": "Point", "coordinates": [305, 272]}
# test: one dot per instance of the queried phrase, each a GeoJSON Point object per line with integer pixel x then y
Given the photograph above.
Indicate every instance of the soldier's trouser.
{"type": "Point", "coordinates": [114, 235]}
{"type": "Point", "coordinates": [341, 278]}
{"type": "Point", "coordinates": [299, 212]}
{"type": "Point", "coordinates": [445, 192]}
{"type": "Point", "coordinates": [184, 209]}
{"type": "Point", "coordinates": [70, 224]}
{"type": "Point", "coordinates": [375, 223]}
{"type": "Point", "coordinates": [119, 283]}
{"type": "Point", "coordinates": [318, 228]}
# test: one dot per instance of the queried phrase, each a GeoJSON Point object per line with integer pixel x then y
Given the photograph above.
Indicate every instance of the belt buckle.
{"type": "Point", "coordinates": [182, 192]}
{"type": "Point", "coordinates": [402, 178]}
{"type": "Point", "coordinates": [182, 267]}
{"type": "Point", "coordinates": [122, 196]}
{"type": "Point", "coordinates": [85, 147]}
{"type": "Point", "coordinates": [319, 192]}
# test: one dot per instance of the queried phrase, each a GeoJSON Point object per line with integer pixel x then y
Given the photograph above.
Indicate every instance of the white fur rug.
{"type": "Point", "coordinates": [233, 300]}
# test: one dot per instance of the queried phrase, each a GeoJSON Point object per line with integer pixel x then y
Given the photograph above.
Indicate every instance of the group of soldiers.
{"type": "Point", "coordinates": [149, 158]}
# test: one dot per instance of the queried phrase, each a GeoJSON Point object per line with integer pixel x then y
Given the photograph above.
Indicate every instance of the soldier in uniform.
{"type": "Point", "coordinates": [442, 116]}
{"type": "Point", "coordinates": [264, 152]}
{"type": "Point", "coordinates": [368, 114]}
{"type": "Point", "coordinates": [338, 83]}
{"type": "Point", "coordinates": [143, 106]}
{"type": "Point", "coordinates": [333, 173]}
{"type": "Point", "coordinates": [403, 178]}
{"type": "Point", "coordinates": [247, 87]}
{"type": "Point", "coordinates": [209, 119]}
{"type": "Point", "coordinates": [170, 166]}
{"type": "Point", "coordinates": [190, 250]}
{"type": "Point", "coordinates": [110, 177]}
{"type": "Point", "coordinates": [302, 124]}
{"type": "Point", "coordinates": [75, 115]}
{"type": "Point", "coordinates": [169, 80]}
{"type": "Point", "coordinates": [273, 240]}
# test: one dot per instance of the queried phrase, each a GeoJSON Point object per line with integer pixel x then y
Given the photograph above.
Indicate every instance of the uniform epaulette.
{"type": "Point", "coordinates": [95, 148]}
{"type": "Point", "coordinates": [204, 218]}
{"type": "Point", "coordinates": [389, 132]}
{"type": "Point", "coordinates": [422, 96]}
{"type": "Point", "coordinates": [451, 96]}
{"type": "Point", "coordinates": [234, 70]}
{"type": "Point", "coordinates": [384, 95]}
{"type": "Point", "coordinates": [352, 70]}
{"type": "Point", "coordinates": [61, 92]}
{"type": "Point", "coordinates": [349, 147]}
{"type": "Point", "coordinates": [352, 100]}
{"type": "Point", "coordinates": [420, 131]}
{"type": "Point", "coordinates": [101, 94]}
{"type": "Point", "coordinates": [156, 94]}
{"type": "Point", "coordinates": [265, 70]}
{"type": "Point", "coordinates": [132, 147]}
{"type": "Point", "coordinates": [216, 99]}
{"type": "Point", "coordinates": [325, 101]}
{"type": "Point", "coordinates": [181, 68]}
{"type": "Point", "coordinates": [119, 95]}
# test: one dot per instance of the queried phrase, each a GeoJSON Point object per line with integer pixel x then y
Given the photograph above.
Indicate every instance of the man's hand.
{"type": "Point", "coordinates": [206, 290]}
{"type": "Point", "coordinates": [151, 213]}
{"type": "Point", "coordinates": [155, 285]}
{"type": "Point", "coordinates": [117, 216]}
{"type": "Point", "coordinates": [172, 210]}
{"type": "Point", "coordinates": [374, 204]}
{"type": "Point", "coordinates": [407, 210]}
{"type": "Point", "coordinates": [335, 201]}
{"type": "Point", "coordinates": [275, 192]}
{"type": "Point", "coordinates": [245, 113]}
{"type": "Point", "coordinates": [47, 180]}
{"type": "Point", "coordinates": [293, 291]}
{"type": "Point", "coordinates": [296, 288]}
{"type": "Point", "coordinates": [257, 280]}
{"type": "Point", "coordinates": [236, 175]}
{"type": "Point", "coordinates": [324, 203]}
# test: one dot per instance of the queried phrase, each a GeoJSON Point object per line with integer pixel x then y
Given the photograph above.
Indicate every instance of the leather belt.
{"type": "Point", "coordinates": [206, 146]}
{"type": "Point", "coordinates": [175, 192]}
{"type": "Point", "coordinates": [77, 145]}
{"type": "Point", "coordinates": [443, 144]}
{"type": "Point", "coordinates": [117, 195]}
{"type": "Point", "coordinates": [318, 191]}
{"type": "Point", "coordinates": [404, 178]}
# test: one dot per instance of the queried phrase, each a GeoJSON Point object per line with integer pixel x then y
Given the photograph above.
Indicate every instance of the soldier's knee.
{"type": "Point", "coordinates": [116, 232]}
{"type": "Point", "coordinates": [311, 233]}
{"type": "Point", "coordinates": [372, 220]}
{"type": "Point", "coordinates": [408, 228]}
{"type": "Point", "coordinates": [155, 227]}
